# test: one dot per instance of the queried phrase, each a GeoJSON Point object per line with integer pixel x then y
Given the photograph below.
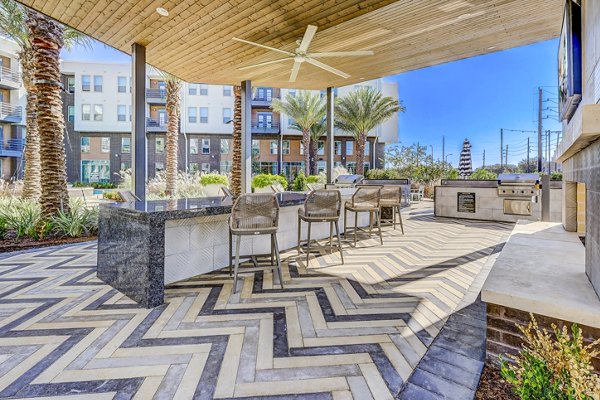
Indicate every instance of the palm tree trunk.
{"type": "Point", "coordinates": [313, 156]}
{"type": "Point", "coordinates": [236, 167]}
{"type": "Point", "coordinates": [47, 40]}
{"type": "Point", "coordinates": [360, 153]}
{"type": "Point", "coordinates": [173, 114]}
{"type": "Point", "coordinates": [306, 145]}
{"type": "Point", "coordinates": [32, 186]}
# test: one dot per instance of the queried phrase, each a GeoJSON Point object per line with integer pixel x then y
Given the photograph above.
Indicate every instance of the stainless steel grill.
{"type": "Point", "coordinates": [520, 190]}
{"type": "Point", "coordinates": [348, 180]}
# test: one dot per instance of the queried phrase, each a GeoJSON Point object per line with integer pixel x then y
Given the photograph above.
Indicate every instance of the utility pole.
{"type": "Point", "coordinates": [501, 148]}
{"type": "Point", "coordinates": [548, 149]}
{"type": "Point", "coordinates": [539, 163]}
{"type": "Point", "coordinates": [506, 159]}
{"type": "Point", "coordinates": [443, 147]}
{"type": "Point", "coordinates": [484, 158]}
{"type": "Point", "coordinates": [528, 150]}
{"type": "Point", "coordinates": [418, 154]}
{"type": "Point", "coordinates": [556, 150]}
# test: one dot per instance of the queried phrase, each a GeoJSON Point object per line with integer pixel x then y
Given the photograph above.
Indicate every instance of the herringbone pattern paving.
{"type": "Point", "coordinates": [335, 331]}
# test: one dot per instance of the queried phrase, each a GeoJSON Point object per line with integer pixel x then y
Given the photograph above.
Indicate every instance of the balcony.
{"type": "Point", "coordinates": [156, 96]}
{"type": "Point", "coordinates": [154, 125]}
{"type": "Point", "coordinates": [10, 114]}
{"type": "Point", "coordinates": [263, 98]}
{"type": "Point", "coordinates": [264, 128]}
{"type": "Point", "coordinates": [12, 148]}
{"type": "Point", "coordinates": [9, 79]}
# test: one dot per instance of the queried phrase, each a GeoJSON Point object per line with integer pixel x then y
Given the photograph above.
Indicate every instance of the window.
{"type": "Point", "coordinates": [85, 144]}
{"type": "Point", "coordinates": [121, 110]}
{"type": "Point", "coordinates": [273, 147]}
{"type": "Point", "coordinates": [125, 165]}
{"type": "Point", "coordinates": [86, 112]}
{"type": "Point", "coordinates": [203, 89]}
{"type": "Point", "coordinates": [98, 83]}
{"type": "Point", "coordinates": [193, 146]}
{"type": "Point", "coordinates": [192, 115]}
{"type": "Point", "coordinates": [203, 115]}
{"type": "Point", "coordinates": [337, 148]}
{"type": "Point", "coordinates": [205, 168]}
{"type": "Point", "coordinates": [349, 148]}
{"type": "Point", "coordinates": [226, 115]}
{"type": "Point", "coordinates": [225, 167]}
{"type": "Point", "coordinates": [301, 148]}
{"type": "Point", "coordinates": [193, 89]}
{"type": "Point", "coordinates": [255, 148]}
{"type": "Point", "coordinates": [193, 167]}
{"type": "Point", "coordinates": [367, 147]}
{"type": "Point", "coordinates": [98, 112]}
{"type": "Point", "coordinates": [122, 84]}
{"type": "Point", "coordinates": [71, 84]}
{"type": "Point", "coordinates": [291, 121]}
{"type": "Point", "coordinates": [351, 167]}
{"type": "Point", "coordinates": [292, 92]}
{"type": "Point", "coordinates": [321, 166]}
{"type": "Point", "coordinates": [205, 146]}
{"type": "Point", "coordinates": [224, 146]}
{"type": "Point", "coordinates": [321, 148]}
{"type": "Point", "coordinates": [95, 170]}
{"type": "Point", "coordinates": [227, 90]}
{"type": "Point", "coordinates": [159, 166]}
{"type": "Point", "coordinates": [159, 144]}
{"type": "Point", "coordinates": [285, 147]}
{"type": "Point", "coordinates": [71, 113]}
{"type": "Point", "coordinates": [126, 145]}
{"type": "Point", "coordinates": [85, 83]}
{"type": "Point", "coordinates": [105, 147]}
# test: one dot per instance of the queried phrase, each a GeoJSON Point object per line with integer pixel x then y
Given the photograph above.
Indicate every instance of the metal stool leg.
{"type": "Point", "coordinates": [308, 244]}
{"type": "Point", "coordinates": [394, 216]}
{"type": "Point", "coordinates": [279, 271]}
{"type": "Point", "coordinates": [370, 223]}
{"type": "Point", "coordinates": [355, 226]}
{"type": "Point", "coordinates": [400, 216]}
{"type": "Point", "coordinates": [331, 237]}
{"type": "Point", "coordinates": [230, 254]}
{"type": "Point", "coordinates": [345, 223]}
{"type": "Point", "coordinates": [379, 225]}
{"type": "Point", "coordinates": [299, 233]}
{"type": "Point", "coordinates": [238, 243]}
{"type": "Point", "coordinates": [337, 232]}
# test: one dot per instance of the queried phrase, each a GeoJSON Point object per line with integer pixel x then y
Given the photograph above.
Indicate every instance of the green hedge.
{"type": "Point", "coordinates": [266, 180]}
{"type": "Point", "coordinates": [214, 179]}
{"type": "Point", "coordinates": [383, 174]}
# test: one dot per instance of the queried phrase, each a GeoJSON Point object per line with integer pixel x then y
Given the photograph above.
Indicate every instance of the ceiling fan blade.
{"type": "Point", "coordinates": [308, 37]}
{"type": "Point", "coordinates": [263, 46]}
{"type": "Point", "coordinates": [267, 63]}
{"type": "Point", "coordinates": [342, 53]}
{"type": "Point", "coordinates": [295, 70]}
{"type": "Point", "coordinates": [327, 67]}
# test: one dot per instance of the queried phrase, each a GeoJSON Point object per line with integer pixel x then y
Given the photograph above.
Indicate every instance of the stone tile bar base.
{"type": "Point", "coordinates": [503, 336]}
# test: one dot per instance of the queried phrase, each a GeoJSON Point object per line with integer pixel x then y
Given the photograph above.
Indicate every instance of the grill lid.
{"type": "Point", "coordinates": [521, 179]}
{"type": "Point", "coordinates": [347, 179]}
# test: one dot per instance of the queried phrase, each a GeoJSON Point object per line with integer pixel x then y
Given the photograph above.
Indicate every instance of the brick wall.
{"type": "Point", "coordinates": [503, 336]}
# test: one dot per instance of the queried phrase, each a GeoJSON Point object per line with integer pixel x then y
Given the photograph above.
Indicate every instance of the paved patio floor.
{"type": "Point", "coordinates": [335, 331]}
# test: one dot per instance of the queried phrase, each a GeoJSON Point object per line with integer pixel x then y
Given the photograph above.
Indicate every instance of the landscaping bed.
{"type": "Point", "coordinates": [9, 244]}
{"type": "Point", "coordinates": [492, 386]}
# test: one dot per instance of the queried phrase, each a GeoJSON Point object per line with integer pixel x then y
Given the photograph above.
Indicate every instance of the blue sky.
{"type": "Point", "coordinates": [470, 98]}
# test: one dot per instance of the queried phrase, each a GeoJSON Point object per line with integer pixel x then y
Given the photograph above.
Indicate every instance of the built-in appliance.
{"type": "Point", "coordinates": [348, 180]}
{"type": "Point", "coordinates": [520, 192]}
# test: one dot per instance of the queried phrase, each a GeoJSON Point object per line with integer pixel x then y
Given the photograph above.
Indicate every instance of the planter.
{"type": "Point", "coordinates": [266, 189]}
{"type": "Point", "coordinates": [213, 190]}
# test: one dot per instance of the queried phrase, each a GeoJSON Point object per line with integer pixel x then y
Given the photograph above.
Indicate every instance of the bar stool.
{"type": "Point", "coordinates": [391, 197]}
{"type": "Point", "coordinates": [252, 215]}
{"type": "Point", "coordinates": [365, 199]}
{"type": "Point", "coordinates": [321, 205]}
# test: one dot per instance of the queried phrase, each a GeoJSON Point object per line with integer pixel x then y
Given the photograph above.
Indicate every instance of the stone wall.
{"type": "Point", "coordinates": [503, 336]}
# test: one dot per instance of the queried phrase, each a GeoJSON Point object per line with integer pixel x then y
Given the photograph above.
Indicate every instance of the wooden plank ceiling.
{"type": "Point", "coordinates": [195, 41]}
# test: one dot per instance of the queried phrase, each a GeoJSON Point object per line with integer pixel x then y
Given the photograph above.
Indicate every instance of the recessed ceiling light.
{"type": "Point", "coordinates": [362, 79]}
{"type": "Point", "coordinates": [162, 11]}
{"type": "Point", "coordinates": [491, 47]}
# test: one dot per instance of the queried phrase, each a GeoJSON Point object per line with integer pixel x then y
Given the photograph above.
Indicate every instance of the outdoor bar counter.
{"type": "Point", "coordinates": [143, 246]}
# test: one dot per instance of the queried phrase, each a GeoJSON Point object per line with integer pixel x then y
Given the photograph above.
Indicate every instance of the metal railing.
{"type": "Point", "coordinates": [12, 147]}
{"type": "Point", "coordinates": [263, 127]}
{"type": "Point", "coordinates": [156, 93]}
{"type": "Point", "coordinates": [6, 74]}
{"type": "Point", "coordinates": [154, 123]}
{"type": "Point", "coordinates": [10, 113]}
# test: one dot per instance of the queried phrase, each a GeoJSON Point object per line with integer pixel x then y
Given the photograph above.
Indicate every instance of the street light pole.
{"type": "Point", "coordinates": [447, 155]}
{"type": "Point", "coordinates": [431, 153]}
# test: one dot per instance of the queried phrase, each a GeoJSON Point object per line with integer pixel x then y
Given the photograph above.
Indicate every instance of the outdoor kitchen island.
{"type": "Point", "coordinates": [143, 246]}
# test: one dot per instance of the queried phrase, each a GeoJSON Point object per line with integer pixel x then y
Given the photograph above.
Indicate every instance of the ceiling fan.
{"type": "Point", "coordinates": [301, 55]}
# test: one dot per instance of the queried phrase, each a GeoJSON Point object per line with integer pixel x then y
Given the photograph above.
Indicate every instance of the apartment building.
{"type": "Point", "coordinates": [12, 115]}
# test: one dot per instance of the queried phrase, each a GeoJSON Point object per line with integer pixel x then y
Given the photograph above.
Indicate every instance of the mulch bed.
{"type": "Point", "coordinates": [9, 244]}
{"type": "Point", "coordinates": [492, 386]}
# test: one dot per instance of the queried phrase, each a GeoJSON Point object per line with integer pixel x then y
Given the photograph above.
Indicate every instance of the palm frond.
{"type": "Point", "coordinates": [305, 108]}
{"type": "Point", "coordinates": [74, 38]}
{"type": "Point", "coordinates": [12, 22]}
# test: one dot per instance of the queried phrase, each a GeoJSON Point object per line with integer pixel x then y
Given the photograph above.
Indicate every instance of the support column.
{"type": "Point", "coordinates": [330, 134]}
{"type": "Point", "coordinates": [246, 136]}
{"type": "Point", "coordinates": [139, 163]}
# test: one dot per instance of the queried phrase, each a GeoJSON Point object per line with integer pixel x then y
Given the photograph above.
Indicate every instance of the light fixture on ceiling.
{"type": "Point", "coordinates": [491, 47]}
{"type": "Point", "coordinates": [162, 11]}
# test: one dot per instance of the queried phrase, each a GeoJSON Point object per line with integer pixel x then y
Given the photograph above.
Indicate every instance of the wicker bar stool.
{"type": "Point", "coordinates": [321, 205]}
{"type": "Point", "coordinates": [391, 197]}
{"type": "Point", "coordinates": [365, 199]}
{"type": "Point", "coordinates": [251, 215]}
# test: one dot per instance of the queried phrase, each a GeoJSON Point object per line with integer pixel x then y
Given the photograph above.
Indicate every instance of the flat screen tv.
{"type": "Point", "coordinates": [569, 61]}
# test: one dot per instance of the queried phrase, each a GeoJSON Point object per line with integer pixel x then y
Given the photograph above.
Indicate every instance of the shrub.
{"type": "Point", "coordinates": [103, 185]}
{"type": "Point", "coordinates": [553, 369]}
{"type": "Point", "coordinates": [556, 176]}
{"type": "Point", "coordinates": [316, 179]}
{"type": "Point", "coordinates": [266, 180]}
{"type": "Point", "coordinates": [483, 174]}
{"type": "Point", "coordinates": [383, 174]}
{"type": "Point", "coordinates": [79, 221]}
{"type": "Point", "coordinates": [3, 226]}
{"type": "Point", "coordinates": [78, 184]}
{"type": "Point", "coordinates": [299, 183]}
{"type": "Point", "coordinates": [214, 179]}
{"type": "Point", "coordinates": [21, 216]}
{"type": "Point", "coordinates": [115, 196]}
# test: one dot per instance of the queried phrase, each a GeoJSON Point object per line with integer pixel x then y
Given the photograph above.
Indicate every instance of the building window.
{"type": "Point", "coordinates": [85, 83]}
{"type": "Point", "coordinates": [121, 110]}
{"type": "Point", "coordinates": [367, 147]}
{"type": "Point", "coordinates": [193, 146]}
{"type": "Point", "coordinates": [273, 147]}
{"type": "Point", "coordinates": [224, 146]}
{"type": "Point", "coordinates": [122, 84]}
{"type": "Point", "coordinates": [205, 146]}
{"type": "Point", "coordinates": [71, 84]}
{"type": "Point", "coordinates": [95, 170]}
{"type": "Point", "coordinates": [349, 148]}
{"type": "Point", "coordinates": [86, 112]}
{"type": "Point", "coordinates": [98, 83]}
{"type": "Point", "coordinates": [160, 144]}
{"type": "Point", "coordinates": [285, 147]}
{"type": "Point", "coordinates": [126, 145]}
{"type": "Point", "coordinates": [193, 89]}
{"type": "Point", "coordinates": [159, 166]}
{"type": "Point", "coordinates": [226, 115]}
{"type": "Point", "coordinates": [203, 115]}
{"type": "Point", "coordinates": [125, 165]}
{"type": "Point", "coordinates": [291, 122]}
{"type": "Point", "coordinates": [225, 167]}
{"type": "Point", "coordinates": [205, 168]}
{"type": "Point", "coordinates": [71, 113]}
{"type": "Point", "coordinates": [193, 167]}
{"type": "Point", "coordinates": [255, 149]}
{"type": "Point", "coordinates": [105, 147]}
{"type": "Point", "coordinates": [301, 148]}
{"type": "Point", "coordinates": [98, 112]}
{"type": "Point", "coordinates": [321, 166]}
{"type": "Point", "coordinates": [85, 144]}
{"type": "Point", "coordinates": [292, 92]}
{"type": "Point", "coordinates": [203, 89]}
{"type": "Point", "coordinates": [321, 148]}
{"type": "Point", "coordinates": [227, 90]}
{"type": "Point", "coordinates": [192, 115]}
{"type": "Point", "coordinates": [351, 167]}
{"type": "Point", "coordinates": [337, 148]}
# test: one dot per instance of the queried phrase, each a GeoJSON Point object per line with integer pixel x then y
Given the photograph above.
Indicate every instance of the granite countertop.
{"type": "Point", "coordinates": [187, 208]}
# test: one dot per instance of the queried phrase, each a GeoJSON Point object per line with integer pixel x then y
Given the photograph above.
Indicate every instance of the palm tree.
{"type": "Point", "coordinates": [316, 132]}
{"type": "Point", "coordinates": [306, 109]}
{"type": "Point", "coordinates": [360, 112]}
{"type": "Point", "coordinates": [13, 23]}
{"type": "Point", "coordinates": [173, 107]}
{"type": "Point", "coordinates": [236, 167]}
